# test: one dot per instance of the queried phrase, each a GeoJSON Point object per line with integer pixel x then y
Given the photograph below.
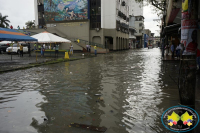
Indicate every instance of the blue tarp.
{"type": "Point", "coordinates": [13, 35]}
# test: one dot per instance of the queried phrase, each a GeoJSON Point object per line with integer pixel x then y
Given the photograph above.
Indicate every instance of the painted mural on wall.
{"type": "Point", "coordinates": [65, 10]}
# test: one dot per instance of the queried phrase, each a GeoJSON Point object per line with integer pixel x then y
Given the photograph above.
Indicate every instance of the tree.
{"type": "Point", "coordinates": [30, 24]}
{"type": "Point", "coordinates": [4, 22]}
{"type": "Point", "coordinates": [159, 5]}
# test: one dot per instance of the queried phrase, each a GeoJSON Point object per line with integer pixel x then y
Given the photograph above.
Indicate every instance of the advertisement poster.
{"type": "Point", "coordinates": [65, 10]}
{"type": "Point", "coordinates": [146, 40]}
{"type": "Point", "coordinates": [188, 29]}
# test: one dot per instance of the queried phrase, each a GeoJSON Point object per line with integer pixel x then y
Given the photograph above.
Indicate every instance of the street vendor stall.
{"type": "Point", "coordinates": [46, 37]}
{"type": "Point", "coordinates": [13, 35]}
{"type": "Point", "coordinates": [49, 38]}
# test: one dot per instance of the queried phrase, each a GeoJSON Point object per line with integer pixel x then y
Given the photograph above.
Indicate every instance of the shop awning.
{"type": "Point", "coordinates": [173, 15]}
{"type": "Point", "coordinates": [13, 35]}
{"type": "Point", "coordinates": [171, 29]}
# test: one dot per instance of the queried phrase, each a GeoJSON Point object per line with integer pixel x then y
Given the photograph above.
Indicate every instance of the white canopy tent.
{"type": "Point", "coordinates": [46, 37]}
{"type": "Point", "coordinates": [5, 42]}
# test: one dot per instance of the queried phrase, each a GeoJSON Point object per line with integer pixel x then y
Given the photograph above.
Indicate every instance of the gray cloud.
{"type": "Point", "coordinates": [18, 11]}
{"type": "Point", "coordinates": [149, 15]}
{"type": "Point", "coordinates": [21, 11]}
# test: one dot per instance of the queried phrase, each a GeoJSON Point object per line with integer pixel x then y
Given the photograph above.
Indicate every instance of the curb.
{"type": "Point", "coordinates": [42, 63]}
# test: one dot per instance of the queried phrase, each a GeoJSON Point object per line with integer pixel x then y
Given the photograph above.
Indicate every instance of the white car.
{"type": "Point", "coordinates": [16, 49]}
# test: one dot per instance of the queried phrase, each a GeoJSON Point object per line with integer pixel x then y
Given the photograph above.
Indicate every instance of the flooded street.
{"type": "Point", "coordinates": [136, 87]}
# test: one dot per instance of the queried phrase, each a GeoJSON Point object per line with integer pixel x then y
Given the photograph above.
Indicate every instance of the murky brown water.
{"type": "Point", "coordinates": [135, 85]}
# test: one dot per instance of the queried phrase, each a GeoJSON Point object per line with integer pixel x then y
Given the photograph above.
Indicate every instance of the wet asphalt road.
{"type": "Point", "coordinates": [136, 87]}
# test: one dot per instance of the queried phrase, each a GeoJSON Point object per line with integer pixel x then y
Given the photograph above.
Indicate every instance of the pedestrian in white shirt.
{"type": "Point", "coordinates": [87, 48]}
{"type": "Point", "coordinates": [71, 49]}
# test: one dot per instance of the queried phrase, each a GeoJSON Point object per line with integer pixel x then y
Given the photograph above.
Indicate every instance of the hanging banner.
{"type": "Point", "coordinates": [184, 5]}
{"type": "Point", "coordinates": [189, 25]}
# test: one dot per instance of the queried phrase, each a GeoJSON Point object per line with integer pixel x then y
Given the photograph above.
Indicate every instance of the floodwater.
{"type": "Point", "coordinates": [136, 87]}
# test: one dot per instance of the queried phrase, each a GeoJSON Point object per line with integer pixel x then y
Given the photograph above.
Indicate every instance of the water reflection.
{"type": "Point", "coordinates": [133, 87]}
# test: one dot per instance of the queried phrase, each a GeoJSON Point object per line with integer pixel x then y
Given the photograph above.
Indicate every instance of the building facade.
{"type": "Point", "coordinates": [136, 9]}
{"type": "Point", "coordinates": [104, 22]}
{"type": "Point", "coordinates": [132, 31]}
{"type": "Point", "coordinates": [139, 25]}
{"type": "Point", "coordinates": [136, 24]}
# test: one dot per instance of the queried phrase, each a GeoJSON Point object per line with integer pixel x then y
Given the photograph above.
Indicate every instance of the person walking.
{"type": "Point", "coordinates": [39, 47]}
{"type": "Point", "coordinates": [11, 27]}
{"type": "Point", "coordinates": [71, 49]}
{"type": "Point", "coordinates": [18, 27]}
{"type": "Point", "coordinates": [95, 50]}
{"type": "Point", "coordinates": [56, 50]}
{"type": "Point", "coordinates": [21, 50]}
{"type": "Point", "coordinates": [172, 50]}
{"type": "Point", "coordinates": [198, 59]}
{"type": "Point", "coordinates": [35, 47]}
{"type": "Point", "coordinates": [87, 48]}
{"type": "Point", "coordinates": [42, 51]}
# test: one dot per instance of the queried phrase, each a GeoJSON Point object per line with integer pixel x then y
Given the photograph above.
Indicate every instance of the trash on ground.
{"type": "Point", "coordinates": [101, 98]}
{"type": "Point", "coordinates": [89, 127]}
{"type": "Point", "coordinates": [97, 94]}
{"type": "Point", "coordinates": [45, 118]}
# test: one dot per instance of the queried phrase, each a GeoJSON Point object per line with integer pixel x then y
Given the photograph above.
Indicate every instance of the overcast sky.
{"type": "Point", "coordinates": [21, 11]}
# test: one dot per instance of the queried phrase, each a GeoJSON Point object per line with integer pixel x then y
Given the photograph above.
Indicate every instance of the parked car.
{"type": "Point", "coordinates": [3, 47]}
{"type": "Point", "coordinates": [16, 49]}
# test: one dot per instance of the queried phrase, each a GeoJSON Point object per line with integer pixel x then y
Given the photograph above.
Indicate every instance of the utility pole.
{"type": "Point", "coordinates": [187, 72]}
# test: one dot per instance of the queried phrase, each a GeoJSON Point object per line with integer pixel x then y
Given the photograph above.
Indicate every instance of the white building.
{"type": "Point", "coordinates": [136, 24]}
{"type": "Point", "coordinates": [107, 22]}
{"type": "Point", "coordinates": [136, 9]}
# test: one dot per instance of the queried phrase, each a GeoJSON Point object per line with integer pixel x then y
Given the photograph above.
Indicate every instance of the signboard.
{"type": "Point", "coordinates": [188, 29]}
{"type": "Point", "coordinates": [65, 10]}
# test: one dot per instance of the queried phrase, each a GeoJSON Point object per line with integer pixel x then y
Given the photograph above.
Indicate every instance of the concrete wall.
{"type": "Point", "coordinates": [108, 14]}
{"type": "Point", "coordinates": [96, 39]}
{"type": "Point", "coordinates": [94, 33]}
{"type": "Point", "coordinates": [36, 12]}
{"type": "Point", "coordinates": [138, 28]}
{"type": "Point", "coordinates": [114, 34]}
{"type": "Point", "coordinates": [169, 9]}
{"type": "Point", "coordinates": [71, 30]}
{"type": "Point", "coordinates": [64, 46]}
{"type": "Point", "coordinates": [132, 21]}
{"type": "Point", "coordinates": [136, 9]}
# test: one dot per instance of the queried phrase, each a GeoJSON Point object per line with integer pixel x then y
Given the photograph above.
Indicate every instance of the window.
{"type": "Point", "coordinates": [95, 17]}
{"type": "Point", "coordinates": [15, 45]}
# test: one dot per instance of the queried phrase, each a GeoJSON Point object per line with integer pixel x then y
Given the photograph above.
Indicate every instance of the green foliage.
{"type": "Point", "coordinates": [158, 5]}
{"type": "Point", "coordinates": [4, 22]}
{"type": "Point", "coordinates": [30, 24]}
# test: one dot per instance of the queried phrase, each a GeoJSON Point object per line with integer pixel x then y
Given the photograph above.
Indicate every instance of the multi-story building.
{"type": "Point", "coordinates": [104, 22]}
{"type": "Point", "coordinates": [135, 24]}
{"type": "Point", "coordinates": [136, 8]}
{"type": "Point", "coordinates": [132, 31]}
{"type": "Point", "coordinates": [139, 25]}
{"type": "Point", "coordinates": [147, 36]}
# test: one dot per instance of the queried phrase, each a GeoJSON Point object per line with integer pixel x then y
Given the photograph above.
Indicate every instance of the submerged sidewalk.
{"type": "Point", "coordinates": [17, 62]}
